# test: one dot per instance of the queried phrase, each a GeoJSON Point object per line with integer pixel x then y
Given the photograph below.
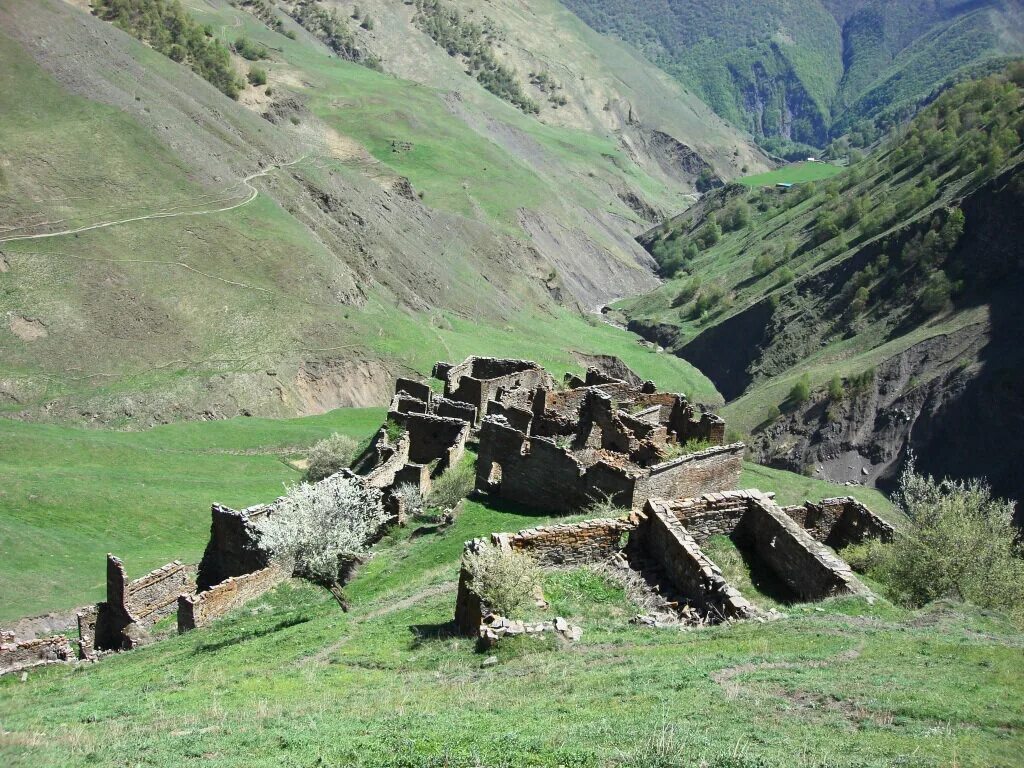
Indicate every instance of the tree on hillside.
{"type": "Point", "coordinates": [323, 528]}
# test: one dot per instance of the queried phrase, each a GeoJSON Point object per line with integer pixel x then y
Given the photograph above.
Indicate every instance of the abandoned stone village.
{"type": "Point", "coordinates": [558, 447]}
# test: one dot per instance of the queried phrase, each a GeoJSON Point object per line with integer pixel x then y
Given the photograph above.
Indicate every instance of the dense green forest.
{"type": "Point", "coordinates": [962, 139]}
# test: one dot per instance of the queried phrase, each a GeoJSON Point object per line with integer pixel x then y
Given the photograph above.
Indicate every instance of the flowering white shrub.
{"type": "Point", "coordinates": [411, 498]}
{"type": "Point", "coordinates": [323, 526]}
{"type": "Point", "coordinates": [328, 456]}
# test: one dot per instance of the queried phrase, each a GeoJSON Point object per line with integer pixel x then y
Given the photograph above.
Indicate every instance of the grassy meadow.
{"type": "Point", "coordinates": [69, 495]}
{"type": "Point", "coordinates": [794, 173]}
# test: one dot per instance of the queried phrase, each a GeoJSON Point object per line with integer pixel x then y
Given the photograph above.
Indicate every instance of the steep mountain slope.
{"type": "Point", "coordinates": [900, 277]}
{"type": "Point", "coordinates": [288, 251]}
{"type": "Point", "coordinates": [802, 73]}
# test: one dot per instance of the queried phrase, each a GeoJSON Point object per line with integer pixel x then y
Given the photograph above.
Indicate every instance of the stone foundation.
{"type": "Point", "coordinates": [666, 538]}
{"type": "Point", "coordinates": [17, 655]}
{"type": "Point", "coordinates": [840, 522]}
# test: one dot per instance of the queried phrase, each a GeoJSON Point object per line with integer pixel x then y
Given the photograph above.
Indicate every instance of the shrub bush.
{"type": "Point", "coordinates": [454, 484]}
{"type": "Point", "coordinates": [329, 456]}
{"type": "Point", "coordinates": [835, 389]}
{"type": "Point", "coordinates": [960, 544]}
{"type": "Point", "coordinates": [411, 499]}
{"type": "Point", "coordinates": [257, 76]}
{"type": "Point", "coordinates": [801, 391]}
{"type": "Point", "coordinates": [505, 581]}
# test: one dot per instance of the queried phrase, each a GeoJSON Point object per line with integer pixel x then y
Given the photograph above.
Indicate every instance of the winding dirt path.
{"type": "Point", "coordinates": [247, 181]}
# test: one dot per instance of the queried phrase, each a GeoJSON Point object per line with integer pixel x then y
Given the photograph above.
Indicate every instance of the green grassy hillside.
{"type": "Point", "coordinates": [292, 251]}
{"type": "Point", "coordinates": [290, 679]}
{"type": "Point", "coordinates": [798, 74]}
{"type": "Point", "coordinates": [70, 494]}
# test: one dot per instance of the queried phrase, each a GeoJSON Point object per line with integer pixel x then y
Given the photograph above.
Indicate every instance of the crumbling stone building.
{"type": "Point", "coordinates": [561, 448]}
{"type": "Point", "coordinates": [664, 543]}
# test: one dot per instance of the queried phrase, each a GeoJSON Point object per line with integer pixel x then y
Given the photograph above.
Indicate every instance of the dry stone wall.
{"type": "Point", "coordinates": [713, 470]}
{"type": "Point", "coordinates": [200, 609]}
{"type": "Point", "coordinates": [234, 548]}
{"type": "Point", "coordinates": [16, 655]}
{"type": "Point", "coordinates": [591, 541]}
{"type": "Point", "coordinates": [678, 556]}
{"type": "Point", "coordinates": [810, 569]}
{"type": "Point", "coordinates": [840, 522]}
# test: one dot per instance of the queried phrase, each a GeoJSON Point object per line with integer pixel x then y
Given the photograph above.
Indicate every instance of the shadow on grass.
{"type": "Point", "coordinates": [495, 503]}
{"type": "Point", "coordinates": [424, 633]}
{"type": "Point", "coordinates": [285, 623]}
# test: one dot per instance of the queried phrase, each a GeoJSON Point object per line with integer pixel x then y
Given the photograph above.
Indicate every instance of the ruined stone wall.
{"type": "Point", "coordinates": [433, 438]}
{"type": "Point", "coordinates": [86, 619]}
{"type": "Point", "coordinates": [200, 609]}
{"type": "Point", "coordinates": [16, 655]}
{"type": "Point", "coordinates": [518, 418]}
{"type": "Point", "coordinates": [715, 514]}
{"type": "Point", "coordinates": [840, 522]}
{"type": "Point", "coordinates": [592, 541]}
{"type": "Point", "coordinates": [155, 596]}
{"type": "Point", "coordinates": [453, 409]}
{"type": "Point", "coordinates": [675, 552]}
{"type": "Point", "coordinates": [708, 427]}
{"type": "Point", "coordinates": [809, 569]}
{"type": "Point", "coordinates": [404, 404]}
{"type": "Point", "coordinates": [234, 547]}
{"type": "Point", "coordinates": [420, 390]}
{"type": "Point", "coordinates": [714, 470]}
{"type": "Point", "coordinates": [392, 459]}
{"type": "Point", "coordinates": [547, 477]}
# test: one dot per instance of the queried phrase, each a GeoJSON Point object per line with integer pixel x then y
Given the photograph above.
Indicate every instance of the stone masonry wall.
{"type": "Point", "coordinates": [713, 514]}
{"type": "Point", "coordinates": [664, 540]}
{"type": "Point", "coordinates": [155, 596]}
{"type": "Point", "coordinates": [234, 547]}
{"type": "Point", "coordinates": [591, 541]}
{"type": "Point", "coordinates": [809, 569]}
{"type": "Point", "coordinates": [713, 470]}
{"type": "Point", "coordinates": [840, 522]}
{"type": "Point", "coordinates": [419, 390]}
{"type": "Point", "coordinates": [200, 609]}
{"type": "Point", "coordinates": [16, 655]}
{"type": "Point", "coordinates": [434, 437]}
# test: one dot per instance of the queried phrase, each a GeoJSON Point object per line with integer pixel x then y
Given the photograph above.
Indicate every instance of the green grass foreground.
{"type": "Point", "coordinates": [794, 173]}
{"type": "Point", "coordinates": [290, 680]}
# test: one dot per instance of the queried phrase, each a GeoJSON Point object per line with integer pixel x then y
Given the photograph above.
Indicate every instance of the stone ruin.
{"type": "Point", "coordinates": [608, 436]}
{"type": "Point", "coordinates": [562, 448]}
{"type": "Point", "coordinates": [662, 544]}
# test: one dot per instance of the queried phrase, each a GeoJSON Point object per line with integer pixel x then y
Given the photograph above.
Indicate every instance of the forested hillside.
{"type": "Point", "coordinates": [852, 319]}
{"type": "Point", "coordinates": [798, 74]}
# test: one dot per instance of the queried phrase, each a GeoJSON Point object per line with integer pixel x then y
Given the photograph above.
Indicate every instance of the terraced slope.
{"type": "Point", "coordinates": [390, 225]}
